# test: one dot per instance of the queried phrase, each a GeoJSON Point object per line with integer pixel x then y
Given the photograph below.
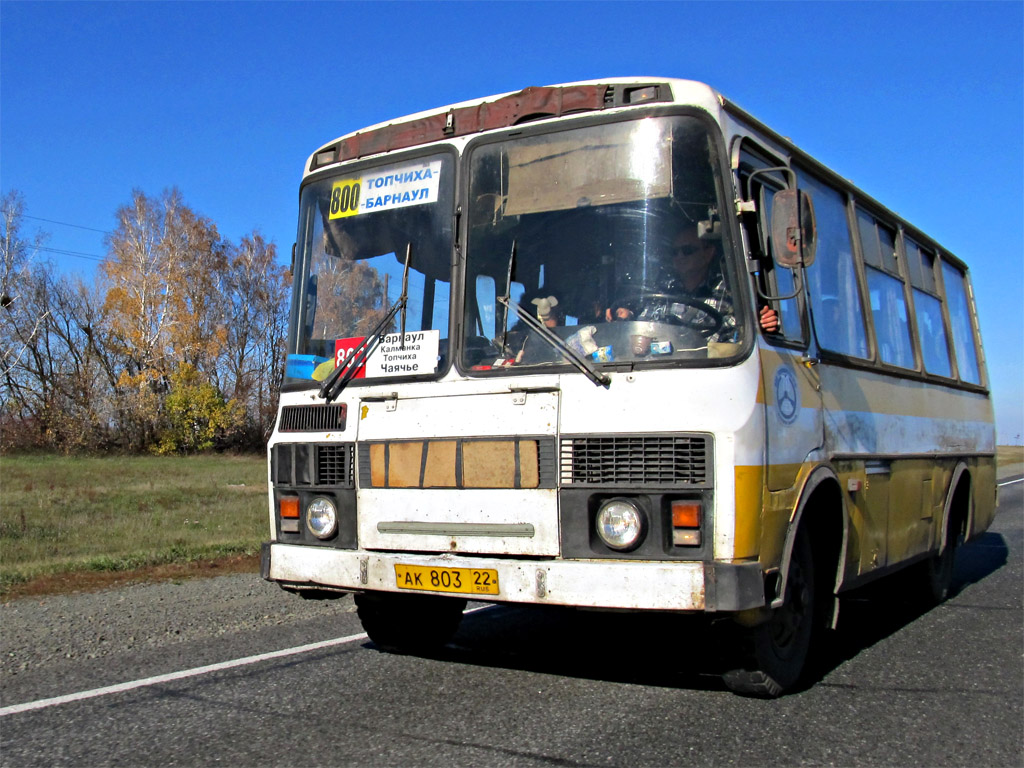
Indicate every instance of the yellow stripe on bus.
{"type": "Point", "coordinates": [749, 485]}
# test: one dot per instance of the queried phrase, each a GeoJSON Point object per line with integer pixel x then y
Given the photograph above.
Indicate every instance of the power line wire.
{"type": "Point", "coordinates": [77, 254]}
{"type": "Point", "coordinates": [66, 224]}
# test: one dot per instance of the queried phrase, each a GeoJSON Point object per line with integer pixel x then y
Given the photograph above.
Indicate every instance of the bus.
{"type": "Point", "coordinates": [619, 345]}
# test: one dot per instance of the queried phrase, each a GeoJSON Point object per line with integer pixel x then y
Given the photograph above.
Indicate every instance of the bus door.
{"type": "Point", "coordinates": [793, 413]}
{"type": "Point", "coordinates": [790, 384]}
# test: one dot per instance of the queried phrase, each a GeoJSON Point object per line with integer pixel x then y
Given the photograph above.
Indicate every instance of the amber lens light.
{"type": "Point", "coordinates": [686, 523]}
{"type": "Point", "coordinates": [289, 507]}
{"type": "Point", "coordinates": [685, 514]}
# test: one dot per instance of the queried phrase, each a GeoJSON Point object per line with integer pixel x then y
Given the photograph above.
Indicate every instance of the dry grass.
{"type": "Point", "coordinates": [1009, 454]}
{"type": "Point", "coordinates": [61, 515]}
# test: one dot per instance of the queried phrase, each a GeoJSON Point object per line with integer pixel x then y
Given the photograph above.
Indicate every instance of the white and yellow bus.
{"type": "Point", "coordinates": [526, 365]}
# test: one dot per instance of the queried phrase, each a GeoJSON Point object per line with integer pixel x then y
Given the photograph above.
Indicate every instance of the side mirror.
{"type": "Point", "coordinates": [794, 235]}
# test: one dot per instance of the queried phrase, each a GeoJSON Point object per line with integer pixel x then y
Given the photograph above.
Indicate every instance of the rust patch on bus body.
{"type": "Point", "coordinates": [529, 103]}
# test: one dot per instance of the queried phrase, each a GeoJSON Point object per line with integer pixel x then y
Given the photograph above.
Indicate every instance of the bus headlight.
{"type": "Point", "coordinates": [322, 517]}
{"type": "Point", "coordinates": [621, 524]}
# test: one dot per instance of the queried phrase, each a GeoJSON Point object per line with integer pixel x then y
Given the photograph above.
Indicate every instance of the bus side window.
{"type": "Point", "coordinates": [486, 304]}
{"type": "Point", "coordinates": [885, 290]}
{"type": "Point", "coordinates": [960, 321]}
{"type": "Point", "coordinates": [836, 304]}
{"type": "Point", "coordinates": [931, 329]}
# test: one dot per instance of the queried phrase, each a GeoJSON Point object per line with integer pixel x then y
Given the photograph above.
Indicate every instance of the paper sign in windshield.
{"type": "Point", "coordinates": [389, 359]}
{"type": "Point", "coordinates": [386, 189]}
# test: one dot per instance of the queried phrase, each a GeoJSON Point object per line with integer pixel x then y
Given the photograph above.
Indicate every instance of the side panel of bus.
{"type": "Point", "coordinates": [839, 400]}
{"type": "Point", "coordinates": [897, 441]}
{"type": "Point", "coordinates": [896, 505]}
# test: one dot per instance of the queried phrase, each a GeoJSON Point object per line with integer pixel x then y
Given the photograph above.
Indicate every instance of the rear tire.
{"type": "Point", "coordinates": [934, 577]}
{"type": "Point", "coordinates": [416, 623]}
{"type": "Point", "coordinates": [775, 654]}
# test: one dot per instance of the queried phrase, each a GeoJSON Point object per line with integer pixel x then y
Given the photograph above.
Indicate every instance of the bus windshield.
{"type": "Point", "coordinates": [354, 233]}
{"type": "Point", "coordinates": [611, 235]}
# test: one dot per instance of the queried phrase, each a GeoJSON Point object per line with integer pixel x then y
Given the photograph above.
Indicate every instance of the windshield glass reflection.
{"type": "Point", "coordinates": [616, 235]}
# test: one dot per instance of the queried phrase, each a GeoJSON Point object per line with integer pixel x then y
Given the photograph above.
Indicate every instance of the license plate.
{"type": "Point", "coordinates": [428, 578]}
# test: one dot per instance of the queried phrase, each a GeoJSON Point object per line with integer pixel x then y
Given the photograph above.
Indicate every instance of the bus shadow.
{"type": "Point", "coordinates": [979, 559]}
{"type": "Point", "coordinates": [872, 613]}
{"type": "Point", "coordinates": [660, 650]}
{"type": "Point", "coordinates": [675, 651]}
{"type": "Point", "coordinates": [672, 651]}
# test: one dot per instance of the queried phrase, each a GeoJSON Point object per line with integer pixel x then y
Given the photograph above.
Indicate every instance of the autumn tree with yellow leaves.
{"type": "Point", "coordinates": [178, 346]}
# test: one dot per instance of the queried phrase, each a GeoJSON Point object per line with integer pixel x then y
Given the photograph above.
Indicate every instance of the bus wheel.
{"type": "Point", "coordinates": [775, 653]}
{"type": "Point", "coordinates": [415, 623]}
{"type": "Point", "coordinates": [934, 577]}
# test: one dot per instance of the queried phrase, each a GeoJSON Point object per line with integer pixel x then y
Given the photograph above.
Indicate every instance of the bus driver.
{"type": "Point", "coordinates": [697, 275]}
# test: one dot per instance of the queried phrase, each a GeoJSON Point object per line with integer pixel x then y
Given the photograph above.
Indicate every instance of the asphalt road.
{"type": "Point", "coordinates": [516, 687]}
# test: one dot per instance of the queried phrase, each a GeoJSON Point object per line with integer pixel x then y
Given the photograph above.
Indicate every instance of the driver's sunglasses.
{"type": "Point", "coordinates": [687, 250]}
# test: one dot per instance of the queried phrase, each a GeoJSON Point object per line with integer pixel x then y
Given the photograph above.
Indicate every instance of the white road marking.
{"type": "Point", "coordinates": [185, 673]}
{"type": "Point", "coordinates": [1010, 482]}
{"type": "Point", "coordinates": [121, 687]}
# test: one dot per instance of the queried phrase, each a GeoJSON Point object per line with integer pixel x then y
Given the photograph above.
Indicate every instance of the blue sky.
{"type": "Point", "coordinates": [920, 104]}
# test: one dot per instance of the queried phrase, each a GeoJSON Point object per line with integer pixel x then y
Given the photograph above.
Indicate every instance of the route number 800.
{"type": "Point", "coordinates": [345, 198]}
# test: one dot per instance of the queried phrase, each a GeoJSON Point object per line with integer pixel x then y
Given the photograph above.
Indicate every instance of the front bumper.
{"type": "Point", "coordinates": [663, 586]}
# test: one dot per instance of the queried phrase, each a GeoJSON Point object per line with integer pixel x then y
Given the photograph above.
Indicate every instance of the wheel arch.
{"type": "Point", "coordinates": [959, 504]}
{"type": "Point", "coordinates": [822, 508]}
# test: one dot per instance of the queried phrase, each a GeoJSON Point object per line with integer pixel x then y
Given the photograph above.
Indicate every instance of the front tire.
{"type": "Point", "coordinates": [775, 654]}
{"type": "Point", "coordinates": [414, 623]}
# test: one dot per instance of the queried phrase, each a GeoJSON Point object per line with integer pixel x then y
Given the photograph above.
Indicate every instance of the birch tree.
{"type": "Point", "coordinates": [19, 324]}
{"type": "Point", "coordinates": [254, 350]}
{"type": "Point", "coordinates": [164, 301]}
{"type": "Point", "coordinates": [22, 323]}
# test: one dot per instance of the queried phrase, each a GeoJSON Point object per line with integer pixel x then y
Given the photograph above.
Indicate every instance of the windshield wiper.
{"type": "Point", "coordinates": [405, 293]}
{"type": "Point", "coordinates": [583, 364]}
{"type": "Point", "coordinates": [504, 300]}
{"type": "Point", "coordinates": [343, 374]}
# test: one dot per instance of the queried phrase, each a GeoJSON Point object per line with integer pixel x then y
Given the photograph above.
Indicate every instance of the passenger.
{"type": "Point", "coordinates": [697, 275]}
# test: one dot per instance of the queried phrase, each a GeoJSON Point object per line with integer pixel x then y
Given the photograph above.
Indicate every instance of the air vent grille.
{"type": "Point", "coordinates": [334, 465]}
{"type": "Point", "coordinates": [313, 418]}
{"type": "Point", "coordinates": [636, 460]}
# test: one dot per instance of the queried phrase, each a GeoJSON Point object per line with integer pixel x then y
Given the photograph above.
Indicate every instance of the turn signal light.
{"type": "Point", "coordinates": [686, 514]}
{"type": "Point", "coordinates": [686, 523]}
{"type": "Point", "coordinates": [289, 507]}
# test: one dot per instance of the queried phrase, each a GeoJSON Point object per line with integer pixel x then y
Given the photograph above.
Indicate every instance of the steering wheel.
{"type": "Point", "coordinates": [709, 323]}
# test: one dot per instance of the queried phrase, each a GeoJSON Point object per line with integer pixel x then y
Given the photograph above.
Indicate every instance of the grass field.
{"type": "Point", "coordinates": [70, 514]}
{"type": "Point", "coordinates": [70, 523]}
{"type": "Point", "coordinates": [1009, 454]}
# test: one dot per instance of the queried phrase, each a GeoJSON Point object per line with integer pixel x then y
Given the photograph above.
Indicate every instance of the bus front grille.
{"type": "Point", "coordinates": [636, 460]}
{"type": "Point", "coordinates": [312, 464]}
{"type": "Point", "coordinates": [334, 464]}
